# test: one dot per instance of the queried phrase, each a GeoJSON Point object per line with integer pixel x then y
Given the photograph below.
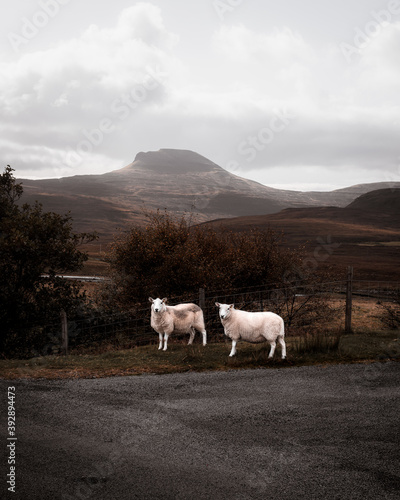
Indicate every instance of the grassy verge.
{"type": "Point", "coordinates": [377, 346]}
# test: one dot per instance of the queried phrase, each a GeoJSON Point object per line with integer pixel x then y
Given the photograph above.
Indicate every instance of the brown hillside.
{"type": "Point", "coordinates": [379, 201]}
{"type": "Point", "coordinates": [305, 224]}
{"type": "Point", "coordinates": [178, 180]}
{"type": "Point", "coordinates": [368, 239]}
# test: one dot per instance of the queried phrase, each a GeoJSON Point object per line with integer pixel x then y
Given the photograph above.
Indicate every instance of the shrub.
{"type": "Point", "coordinates": [171, 257]}
{"type": "Point", "coordinates": [390, 312]}
{"type": "Point", "coordinates": [35, 246]}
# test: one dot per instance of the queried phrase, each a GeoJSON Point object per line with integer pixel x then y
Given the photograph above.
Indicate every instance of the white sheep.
{"type": "Point", "coordinates": [254, 327]}
{"type": "Point", "coordinates": [182, 318]}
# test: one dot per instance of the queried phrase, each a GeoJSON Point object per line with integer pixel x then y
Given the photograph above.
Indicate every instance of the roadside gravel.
{"type": "Point", "coordinates": [325, 432]}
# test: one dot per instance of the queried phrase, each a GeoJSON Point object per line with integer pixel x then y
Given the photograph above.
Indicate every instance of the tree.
{"type": "Point", "coordinates": [172, 257]}
{"type": "Point", "coordinates": [35, 247]}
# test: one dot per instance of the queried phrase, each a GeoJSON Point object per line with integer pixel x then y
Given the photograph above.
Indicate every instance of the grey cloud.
{"type": "Point", "coordinates": [53, 101]}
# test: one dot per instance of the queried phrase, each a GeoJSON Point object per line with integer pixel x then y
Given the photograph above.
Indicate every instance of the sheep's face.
{"type": "Point", "coordinates": [224, 309]}
{"type": "Point", "coordinates": [157, 304]}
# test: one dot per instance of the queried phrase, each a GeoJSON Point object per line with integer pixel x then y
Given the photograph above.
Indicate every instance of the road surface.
{"type": "Point", "coordinates": [325, 432]}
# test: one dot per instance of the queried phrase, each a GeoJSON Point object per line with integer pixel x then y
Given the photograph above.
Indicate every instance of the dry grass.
{"type": "Point", "coordinates": [365, 315]}
{"type": "Point", "coordinates": [326, 348]}
{"type": "Point", "coordinates": [326, 344]}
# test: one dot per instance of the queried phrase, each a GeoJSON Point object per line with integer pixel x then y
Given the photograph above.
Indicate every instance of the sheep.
{"type": "Point", "coordinates": [252, 327]}
{"type": "Point", "coordinates": [182, 318]}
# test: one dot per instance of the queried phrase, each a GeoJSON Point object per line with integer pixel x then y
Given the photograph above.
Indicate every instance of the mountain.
{"type": "Point", "coordinates": [379, 201]}
{"type": "Point", "coordinates": [364, 234]}
{"type": "Point", "coordinates": [178, 180]}
{"type": "Point", "coordinates": [372, 215]}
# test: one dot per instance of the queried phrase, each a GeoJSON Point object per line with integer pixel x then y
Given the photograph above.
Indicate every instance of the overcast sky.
{"type": "Point", "coordinates": [293, 94]}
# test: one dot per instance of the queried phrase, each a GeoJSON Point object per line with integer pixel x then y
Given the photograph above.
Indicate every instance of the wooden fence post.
{"type": "Point", "coordinates": [202, 298]}
{"type": "Point", "coordinates": [64, 333]}
{"type": "Point", "coordinates": [349, 297]}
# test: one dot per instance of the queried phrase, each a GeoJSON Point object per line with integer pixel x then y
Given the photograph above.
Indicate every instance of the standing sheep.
{"type": "Point", "coordinates": [254, 327]}
{"type": "Point", "coordinates": [183, 318]}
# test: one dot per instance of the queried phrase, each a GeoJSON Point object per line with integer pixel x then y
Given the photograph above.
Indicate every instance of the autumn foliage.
{"type": "Point", "coordinates": [172, 257]}
{"type": "Point", "coordinates": [35, 247]}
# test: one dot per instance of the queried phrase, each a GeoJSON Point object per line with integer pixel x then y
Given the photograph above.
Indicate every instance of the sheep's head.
{"type": "Point", "coordinates": [224, 309]}
{"type": "Point", "coordinates": [157, 304]}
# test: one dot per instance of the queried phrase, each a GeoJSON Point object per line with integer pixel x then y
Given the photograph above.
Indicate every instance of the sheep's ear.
{"type": "Point", "coordinates": [151, 300]}
{"type": "Point", "coordinates": [164, 300]}
{"type": "Point", "coordinates": [217, 304]}
{"type": "Point", "coordinates": [231, 306]}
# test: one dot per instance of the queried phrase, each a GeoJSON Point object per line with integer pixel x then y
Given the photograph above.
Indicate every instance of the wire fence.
{"type": "Point", "coordinates": [302, 306]}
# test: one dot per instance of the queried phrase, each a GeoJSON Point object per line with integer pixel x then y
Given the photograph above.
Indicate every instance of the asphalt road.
{"type": "Point", "coordinates": [312, 432]}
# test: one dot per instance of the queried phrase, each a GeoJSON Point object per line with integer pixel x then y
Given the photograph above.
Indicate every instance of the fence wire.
{"type": "Point", "coordinates": [300, 305]}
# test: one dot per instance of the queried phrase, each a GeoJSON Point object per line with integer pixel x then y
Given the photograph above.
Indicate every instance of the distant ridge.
{"type": "Point", "coordinates": [380, 200]}
{"type": "Point", "coordinates": [177, 180]}
{"type": "Point", "coordinates": [379, 209]}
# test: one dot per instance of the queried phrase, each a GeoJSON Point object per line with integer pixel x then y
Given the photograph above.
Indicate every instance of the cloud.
{"type": "Point", "coordinates": [256, 100]}
{"type": "Point", "coordinates": [280, 47]}
{"type": "Point", "coordinates": [86, 70]}
{"type": "Point", "coordinates": [144, 22]}
{"type": "Point", "coordinates": [346, 115]}
{"type": "Point", "coordinates": [279, 65]}
{"type": "Point", "coordinates": [53, 96]}
{"type": "Point", "coordinates": [379, 70]}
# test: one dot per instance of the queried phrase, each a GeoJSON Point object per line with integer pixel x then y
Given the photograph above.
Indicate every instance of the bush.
{"type": "Point", "coordinates": [304, 307]}
{"type": "Point", "coordinates": [35, 246]}
{"type": "Point", "coordinates": [390, 312]}
{"type": "Point", "coordinates": [171, 257]}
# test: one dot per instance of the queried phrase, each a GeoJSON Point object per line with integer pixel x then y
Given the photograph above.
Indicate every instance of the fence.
{"type": "Point", "coordinates": [302, 305]}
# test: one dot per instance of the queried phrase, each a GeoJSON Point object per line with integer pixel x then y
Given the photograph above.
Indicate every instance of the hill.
{"type": "Point", "coordinates": [178, 180]}
{"type": "Point", "coordinates": [379, 201]}
{"type": "Point", "coordinates": [365, 234]}
{"type": "Point", "coordinates": [173, 179]}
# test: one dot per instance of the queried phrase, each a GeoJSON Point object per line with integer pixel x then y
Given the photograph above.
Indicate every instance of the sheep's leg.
{"type": "Point", "coordinates": [165, 341]}
{"type": "Point", "coordinates": [161, 339]}
{"type": "Point", "coordinates": [271, 352]}
{"type": "Point", "coordinates": [204, 333]}
{"type": "Point", "coordinates": [283, 346]}
{"type": "Point", "coordinates": [192, 334]}
{"type": "Point", "coordinates": [233, 350]}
